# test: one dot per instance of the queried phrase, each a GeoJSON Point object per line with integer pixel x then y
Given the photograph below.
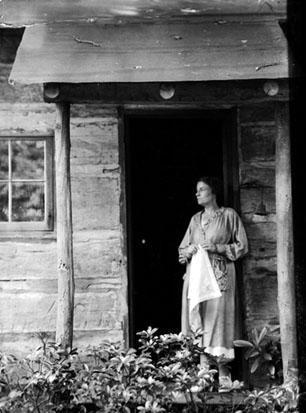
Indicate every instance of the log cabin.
{"type": "Point", "coordinates": [109, 113]}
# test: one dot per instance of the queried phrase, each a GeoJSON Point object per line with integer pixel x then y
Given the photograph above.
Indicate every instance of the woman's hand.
{"type": "Point", "coordinates": [191, 250]}
{"type": "Point", "coordinates": [209, 246]}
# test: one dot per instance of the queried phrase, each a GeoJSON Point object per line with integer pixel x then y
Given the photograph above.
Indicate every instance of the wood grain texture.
{"type": "Point", "coordinates": [36, 118]}
{"type": "Point", "coordinates": [22, 344]}
{"type": "Point", "coordinates": [257, 131]}
{"type": "Point", "coordinates": [112, 11]}
{"type": "Point", "coordinates": [97, 254]}
{"type": "Point", "coordinates": [257, 113]}
{"type": "Point", "coordinates": [94, 310]}
{"type": "Point", "coordinates": [258, 142]}
{"type": "Point", "coordinates": [256, 175]}
{"type": "Point", "coordinates": [261, 307]}
{"type": "Point", "coordinates": [213, 94]}
{"type": "Point", "coordinates": [196, 50]}
{"type": "Point", "coordinates": [65, 301]}
{"type": "Point", "coordinates": [251, 197]}
{"type": "Point", "coordinates": [285, 255]}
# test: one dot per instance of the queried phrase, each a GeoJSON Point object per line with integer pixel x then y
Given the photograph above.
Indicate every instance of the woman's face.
{"type": "Point", "coordinates": [204, 194]}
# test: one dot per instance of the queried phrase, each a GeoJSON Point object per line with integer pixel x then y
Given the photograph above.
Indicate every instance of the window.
{"type": "Point", "coordinates": [26, 187]}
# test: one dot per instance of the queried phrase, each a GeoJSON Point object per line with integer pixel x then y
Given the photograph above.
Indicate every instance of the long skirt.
{"type": "Point", "coordinates": [219, 317]}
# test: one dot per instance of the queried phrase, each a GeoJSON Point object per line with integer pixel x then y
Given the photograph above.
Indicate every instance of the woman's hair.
{"type": "Point", "coordinates": [215, 184]}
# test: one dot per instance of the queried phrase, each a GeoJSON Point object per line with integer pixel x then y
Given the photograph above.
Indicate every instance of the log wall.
{"type": "Point", "coordinates": [257, 132]}
{"type": "Point", "coordinates": [28, 262]}
{"type": "Point", "coordinates": [28, 276]}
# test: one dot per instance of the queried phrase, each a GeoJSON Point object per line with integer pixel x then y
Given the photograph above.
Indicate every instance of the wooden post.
{"type": "Point", "coordinates": [65, 302]}
{"type": "Point", "coordinates": [285, 257]}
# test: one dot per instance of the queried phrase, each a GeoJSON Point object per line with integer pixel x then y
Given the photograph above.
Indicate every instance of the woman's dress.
{"type": "Point", "coordinates": [218, 316]}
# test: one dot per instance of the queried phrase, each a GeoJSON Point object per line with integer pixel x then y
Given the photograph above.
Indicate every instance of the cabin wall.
{"type": "Point", "coordinates": [28, 276]}
{"type": "Point", "coordinates": [257, 132]}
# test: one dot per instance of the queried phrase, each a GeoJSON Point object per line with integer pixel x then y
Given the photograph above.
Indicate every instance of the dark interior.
{"type": "Point", "coordinates": [165, 155]}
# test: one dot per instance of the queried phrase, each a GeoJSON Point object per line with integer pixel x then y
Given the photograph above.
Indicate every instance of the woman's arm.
{"type": "Point", "coordinates": [239, 245]}
{"type": "Point", "coordinates": [186, 248]}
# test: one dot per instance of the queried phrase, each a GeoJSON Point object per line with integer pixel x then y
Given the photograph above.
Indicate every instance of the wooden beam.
{"type": "Point", "coordinates": [214, 94]}
{"type": "Point", "coordinates": [285, 257]}
{"type": "Point", "coordinates": [65, 304]}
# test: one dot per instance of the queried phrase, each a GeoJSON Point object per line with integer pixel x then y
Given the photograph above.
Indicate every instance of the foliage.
{"type": "Point", "coordinates": [106, 378]}
{"type": "Point", "coordinates": [277, 398]}
{"type": "Point", "coordinates": [264, 352]}
{"type": "Point", "coordinates": [110, 379]}
{"type": "Point", "coordinates": [38, 382]}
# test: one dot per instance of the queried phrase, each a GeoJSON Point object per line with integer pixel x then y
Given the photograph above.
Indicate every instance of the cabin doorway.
{"type": "Point", "coordinates": [165, 154]}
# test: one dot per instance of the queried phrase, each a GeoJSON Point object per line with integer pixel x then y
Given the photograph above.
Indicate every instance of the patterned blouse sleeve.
{"type": "Point", "coordinates": [239, 243]}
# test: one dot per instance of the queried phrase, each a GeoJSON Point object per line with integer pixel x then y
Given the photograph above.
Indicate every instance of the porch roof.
{"type": "Point", "coordinates": [194, 49]}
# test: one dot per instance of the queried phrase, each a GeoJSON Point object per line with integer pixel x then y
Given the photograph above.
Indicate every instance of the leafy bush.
{"type": "Point", "coordinates": [110, 379]}
{"type": "Point", "coordinates": [263, 352]}
{"type": "Point", "coordinates": [106, 378]}
{"type": "Point", "coordinates": [277, 398]}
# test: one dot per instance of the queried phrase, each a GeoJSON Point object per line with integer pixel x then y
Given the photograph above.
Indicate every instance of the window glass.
{"type": "Point", "coordinates": [28, 202]}
{"type": "Point", "coordinates": [26, 187]}
{"type": "Point", "coordinates": [3, 202]}
{"type": "Point", "coordinates": [3, 159]}
{"type": "Point", "coordinates": [28, 159]}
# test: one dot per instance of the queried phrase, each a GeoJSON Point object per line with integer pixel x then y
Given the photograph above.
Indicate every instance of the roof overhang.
{"type": "Point", "coordinates": [16, 13]}
{"type": "Point", "coordinates": [189, 50]}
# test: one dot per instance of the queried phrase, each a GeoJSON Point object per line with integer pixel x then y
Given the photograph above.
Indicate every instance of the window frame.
{"type": "Point", "coordinates": [48, 223]}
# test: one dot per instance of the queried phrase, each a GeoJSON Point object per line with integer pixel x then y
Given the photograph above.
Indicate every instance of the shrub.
{"type": "Point", "coordinates": [106, 378]}
{"type": "Point", "coordinates": [111, 379]}
{"type": "Point", "coordinates": [263, 351]}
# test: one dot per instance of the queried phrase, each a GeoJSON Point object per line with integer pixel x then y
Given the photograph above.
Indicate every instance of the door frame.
{"type": "Point", "coordinates": [229, 119]}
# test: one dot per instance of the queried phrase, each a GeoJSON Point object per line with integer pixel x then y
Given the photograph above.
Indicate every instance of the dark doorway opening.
{"type": "Point", "coordinates": [165, 154]}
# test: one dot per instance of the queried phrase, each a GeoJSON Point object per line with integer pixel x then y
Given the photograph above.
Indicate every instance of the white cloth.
{"type": "Point", "coordinates": [222, 352]}
{"type": "Point", "coordinates": [203, 285]}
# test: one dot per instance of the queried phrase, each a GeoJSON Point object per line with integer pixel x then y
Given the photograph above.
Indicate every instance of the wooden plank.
{"type": "Point", "coordinates": [257, 113]}
{"type": "Point", "coordinates": [102, 212]}
{"type": "Point", "coordinates": [111, 11]}
{"type": "Point", "coordinates": [97, 255]}
{"type": "Point", "coordinates": [254, 175]}
{"type": "Point", "coordinates": [261, 230]}
{"type": "Point", "coordinates": [22, 344]}
{"type": "Point", "coordinates": [214, 94]}
{"type": "Point", "coordinates": [197, 50]}
{"type": "Point", "coordinates": [23, 119]}
{"type": "Point", "coordinates": [261, 301]}
{"type": "Point", "coordinates": [285, 257]}
{"type": "Point", "coordinates": [251, 198]}
{"type": "Point", "coordinates": [94, 310]}
{"type": "Point", "coordinates": [126, 297]}
{"type": "Point", "coordinates": [259, 267]}
{"type": "Point", "coordinates": [65, 304]}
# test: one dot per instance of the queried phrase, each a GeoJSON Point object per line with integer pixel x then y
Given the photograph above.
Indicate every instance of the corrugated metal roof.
{"type": "Point", "coordinates": [194, 50]}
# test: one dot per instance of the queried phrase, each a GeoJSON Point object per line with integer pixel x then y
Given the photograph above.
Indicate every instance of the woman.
{"type": "Point", "coordinates": [220, 231]}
